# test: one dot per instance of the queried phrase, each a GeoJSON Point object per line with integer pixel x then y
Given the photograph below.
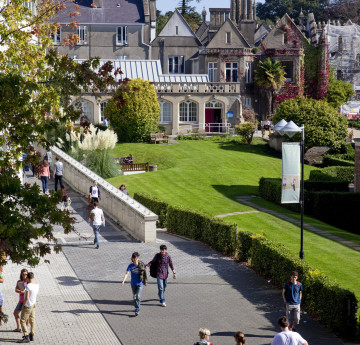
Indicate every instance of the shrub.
{"type": "Point", "coordinates": [333, 173]}
{"type": "Point", "coordinates": [332, 186]}
{"type": "Point", "coordinates": [199, 226]}
{"type": "Point", "coordinates": [155, 205]}
{"type": "Point", "coordinates": [102, 163]}
{"type": "Point", "coordinates": [244, 245]}
{"type": "Point", "coordinates": [333, 160]}
{"type": "Point", "coordinates": [134, 111]}
{"type": "Point", "coordinates": [336, 307]}
{"type": "Point", "coordinates": [246, 130]}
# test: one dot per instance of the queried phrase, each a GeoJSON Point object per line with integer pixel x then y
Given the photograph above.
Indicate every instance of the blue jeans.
{"type": "Point", "coordinates": [44, 182]}
{"type": "Point", "coordinates": [161, 283]}
{"type": "Point", "coordinates": [137, 291]}
{"type": "Point", "coordinates": [96, 229]}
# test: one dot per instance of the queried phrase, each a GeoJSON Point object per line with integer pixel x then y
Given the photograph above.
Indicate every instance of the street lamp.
{"type": "Point", "coordinates": [290, 129]}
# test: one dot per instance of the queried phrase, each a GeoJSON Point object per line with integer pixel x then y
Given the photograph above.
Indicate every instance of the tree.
{"type": "Point", "coordinates": [134, 111]}
{"type": "Point", "coordinates": [323, 125]}
{"type": "Point", "coordinates": [161, 20]}
{"type": "Point", "coordinates": [339, 92]}
{"type": "Point", "coordinates": [184, 6]}
{"type": "Point", "coordinates": [273, 9]}
{"type": "Point", "coordinates": [343, 10]}
{"type": "Point", "coordinates": [246, 130]}
{"type": "Point", "coordinates": [36, 87]}
{"type": "Point", "coordinates": [269, 76]}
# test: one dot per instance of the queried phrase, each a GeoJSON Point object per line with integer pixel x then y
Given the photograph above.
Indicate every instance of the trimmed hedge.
{"type": "Point", "coordinates": [199, 226]}
{"type": "Point", "coordinates": [334, 306]}
{"type": "Point", "coordinates": [331, 160]}
{"type": "Point", "coordinates": [333, 173]}
{"type": "Point", "coordinates": [331, 186]}
{"type": "Point", "coordinates": [154, 204]}
{"type": "Point", "coordinates": [244, 245]}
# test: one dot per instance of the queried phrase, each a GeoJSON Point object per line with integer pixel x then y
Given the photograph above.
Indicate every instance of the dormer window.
{"type": "Point", "coordinates": [121, 35]}
{"type": "Point", "coordinates": [228, 37]}
{"type": "Point", "coordinates": [82, 33]}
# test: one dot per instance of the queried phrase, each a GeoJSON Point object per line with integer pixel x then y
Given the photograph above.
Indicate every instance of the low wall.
{"type": "Point", "coordinates": [135, 218]}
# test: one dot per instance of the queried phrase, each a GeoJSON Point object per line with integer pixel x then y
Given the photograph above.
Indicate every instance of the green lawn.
{"type": "Point", "coordinates": [208, 175]}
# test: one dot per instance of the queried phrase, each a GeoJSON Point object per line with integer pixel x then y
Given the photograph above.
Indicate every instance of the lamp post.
{"type": "Point", "coordinates": [290, 129]}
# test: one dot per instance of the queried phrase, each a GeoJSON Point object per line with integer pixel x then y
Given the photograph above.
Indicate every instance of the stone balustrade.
{"type": "Point", "coordinates": [200, 88]}
{"type": "Point", "coordinates": [135, 218]}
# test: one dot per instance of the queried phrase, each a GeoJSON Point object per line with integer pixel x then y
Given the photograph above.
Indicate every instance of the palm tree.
{"type": "Point", "coordinates": [269, 76]}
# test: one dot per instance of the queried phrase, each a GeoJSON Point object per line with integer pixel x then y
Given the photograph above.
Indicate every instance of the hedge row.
{"type": "Point", "coordinates": [334, 306]}
{"type": "Point", "coordinates": [333, 173]}
{"type": "Point", "coordinates": [330, 160]}
{"type": "Point", "coordinates": [192, 224]}
{"type": "Point", "coordinates": [333, 207]}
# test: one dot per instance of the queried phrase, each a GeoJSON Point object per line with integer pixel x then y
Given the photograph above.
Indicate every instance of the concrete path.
{"type": "Point", "coordinates": [81, 300]}
{"type": "Point", "coordinates": [247, 201]}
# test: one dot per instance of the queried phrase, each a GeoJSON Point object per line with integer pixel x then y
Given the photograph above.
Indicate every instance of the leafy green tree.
{"type": "Point", "coordinates": [323, 125]}
{"type": "Point", "coordinates": [134, 111]}
{"type": "Point", "coordinates": [246, 130]}
{"type": "Point", "coordinates": [184, 6]}
{"type": "Point", "coordinates": [269, 76]}
{"type": "Point", "coordinates": [36, 86]}
{"type": "Point", "coordinates": [339, 92]}
{"type": "Point", "coordinates": [271, 9]}
{"type": "Point", "coordinates": [161, 20]}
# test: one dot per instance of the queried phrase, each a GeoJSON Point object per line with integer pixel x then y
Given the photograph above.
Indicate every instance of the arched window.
{"type": "Point", "coordinates": [213, 105]}
{"type": "Point", "coordinates": [87, 110]}
{"type": "Point", "coordinates": [165, 114]}
{"type": "Point", "coordinates": [102, 113]}
{"type": "Point", "coordinates": [188, 111]}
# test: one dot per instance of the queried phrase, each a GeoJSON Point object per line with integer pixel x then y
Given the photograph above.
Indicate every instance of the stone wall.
{"type": "Point", "coordinates": [135, 218]}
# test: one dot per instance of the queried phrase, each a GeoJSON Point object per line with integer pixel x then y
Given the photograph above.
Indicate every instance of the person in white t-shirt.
{"type": "Point", "coordinates": [97, 217]}
{"type": "Point", "coordinates": [287, 337]}
{"type": "Point", "coordinates": [28, 309]}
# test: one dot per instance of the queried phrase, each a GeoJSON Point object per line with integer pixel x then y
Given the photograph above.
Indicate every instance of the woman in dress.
{"type": "Point", "coordinates": [20, 289]}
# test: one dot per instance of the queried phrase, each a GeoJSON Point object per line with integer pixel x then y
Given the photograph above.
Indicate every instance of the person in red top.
{"type": "Point", "coordinates": [20, 289]}
{"type": "Point", "coordinates": [44, 176]}
{"type": "Point", "coordinates": [163, 261]}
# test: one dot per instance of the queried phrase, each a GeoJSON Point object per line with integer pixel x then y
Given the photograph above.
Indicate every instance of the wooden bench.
{"type": "Point", "coordinates": [125, 167]}
{"type": "Point", "coordinates": [158, 137]}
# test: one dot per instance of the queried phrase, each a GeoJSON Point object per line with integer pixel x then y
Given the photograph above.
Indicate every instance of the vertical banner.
{"type": "Point", "coordinates": [290, 193]}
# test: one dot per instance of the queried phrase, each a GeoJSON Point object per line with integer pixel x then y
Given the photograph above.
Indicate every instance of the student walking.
{"type": "Point", "coordinates": [94, 193]}
{"type": "Point", "coordinates": [20, 289]}
{"type": "Point", "coordinates": [45, 176]}
{"type": "Point", "coordinates": [28, 309]}
{"type": "Point", "coordinates": [97, 217]}
{"type": "Point", "coordinates": [65, 200]}
{"type": "Point", "coordinates": [48, 157]}
{"type": "Point", "coordinates": [239, 338]}
{"type": "Point", "coordinates": [292, 294]}
{"type": "Point", "coordinates": [138, 279]}
{"type": "Point", "coordinates": [286, 337]}
{"type": "Point", "coordinates": [162, 261]}
{"type": "Point", "coordinates": [58, 173]}
{"type": "Point", "coordinates": [204, 335]}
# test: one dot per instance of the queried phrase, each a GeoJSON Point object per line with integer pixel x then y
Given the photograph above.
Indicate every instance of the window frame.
{"type": "Point", "coordinates": [231, 69]}
{"type": "Point", "coordinates": [82, 32]}
{"type": "Point", "coordinates": [188, 112]}
{"type": "Point", "coordinates": [56, 38]}
{"type": "Point", "coordinates": [212, 72]}
{"type": "Point", "coordinates": [162, 108]}
{"type": "Point", "coordinates": [228, 37]}
{"type": "Point", "coordinates": [103, 104]}
{"type": "Point", "coordinates": [248, 72]}
{"type": "Point", "coordinates": [180, 64]}
{"type": "Point", "coordinates": [123, 35]}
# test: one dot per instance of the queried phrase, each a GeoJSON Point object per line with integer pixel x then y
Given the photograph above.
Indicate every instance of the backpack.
{"type": "Point", "coordinates": [288, 283]}
{"type": "Point", "coordinates": [142, 271]}
{"type": "Point", "coordinates": [154, 266]}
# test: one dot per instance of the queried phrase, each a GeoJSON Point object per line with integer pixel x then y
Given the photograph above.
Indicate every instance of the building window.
{"type": "Point", "coordinates": [176, 64]}
{"type": "Point", "coordinates": [87, 110]}
{"type": "Point", "coordinates": [176, 30]}
{"type": "Point", "coordinates": [165, 113]}
{"type": "Point", "coordinates": [212, 71]}
{"type": "Point", "coordinates": [339, 74]}
{"type": "Point", "coordinates": [289, 70]}
{"type": "Point", "coordinates": [122, 35]}
{"type": "Point", "coordinates": [102, 111]}
{"type": "Point", "coordinates": [340, 44]}
{"type": "Point", "coordinates": [285, 37]}
{"type": "Point", "coordinates": [82, 33]}
{"type": "Point", "coordinates": [30, 5]}
{"type": "Point", "coordinates": [248, 72]}
{"type": "Point", "coordinates": [228, 37]}
{"type": "Point", "coordinates": [56, 38]}
{"type": "Point", "coordinates": [188, 112]}
{"type": "Point", "coordinates": [231, 72]}
{"type": "Point", "coordinates": [121, 57]}
{"type": "Point", "coordinates": [213, 105]}
{"type": "Point", "coordinates": [247, 103]}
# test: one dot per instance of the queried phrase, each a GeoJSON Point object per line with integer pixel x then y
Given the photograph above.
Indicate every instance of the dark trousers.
{"type": "Point", "coordinates": [58, 178]}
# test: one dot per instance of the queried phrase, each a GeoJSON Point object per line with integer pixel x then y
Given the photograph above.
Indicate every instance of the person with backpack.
{"type": "Point", "coordinates": [292, 294]}
{"type": "Point", "coordinates": [159, 269]}
{"type": "Point", "coordinates": [138, 279]}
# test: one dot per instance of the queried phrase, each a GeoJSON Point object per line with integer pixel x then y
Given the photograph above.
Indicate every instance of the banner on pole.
{"type": "Point", "coordinates": [290, 193]}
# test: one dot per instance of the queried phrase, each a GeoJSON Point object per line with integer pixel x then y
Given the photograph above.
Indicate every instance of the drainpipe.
{"type": "Point", "coordinates": [143, 43]}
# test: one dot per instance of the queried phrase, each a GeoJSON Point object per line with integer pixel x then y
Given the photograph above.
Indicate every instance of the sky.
{"type": "Point", "coordinates": [170, 5]}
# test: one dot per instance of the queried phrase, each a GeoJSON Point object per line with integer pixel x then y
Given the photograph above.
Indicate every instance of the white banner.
{"type": "Point", "coordinates": [290, 193]}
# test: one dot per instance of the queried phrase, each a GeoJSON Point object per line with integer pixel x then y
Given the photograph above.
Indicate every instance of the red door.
{"type": "Point", "coordinates": [209, 118]}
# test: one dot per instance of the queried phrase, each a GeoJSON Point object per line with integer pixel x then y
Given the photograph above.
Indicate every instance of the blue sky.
{"type": "Point", "coordinates": [170, 5]}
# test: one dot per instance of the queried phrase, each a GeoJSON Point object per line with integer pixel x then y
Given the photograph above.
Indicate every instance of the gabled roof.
{"type": "Point", "coordinates": [177, 21]}
{"type": "Point", "coordinates": [201, 29]}
{"type": "Point", "coordinates": [237, 41]}
{"type": "Point", "coordinates": [274, 40]}
{"type": "Point", "coordinates": [111, 12]}
{"type": "Point", "coordinates": [261, 32]}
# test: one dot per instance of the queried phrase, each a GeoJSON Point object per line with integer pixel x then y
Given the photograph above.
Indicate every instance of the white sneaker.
{"type": "Point", "coordinates": [163, 304]}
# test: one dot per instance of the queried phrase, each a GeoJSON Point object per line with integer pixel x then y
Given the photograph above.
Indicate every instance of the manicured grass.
{"type": "Point", "coordinates": [208, 175]}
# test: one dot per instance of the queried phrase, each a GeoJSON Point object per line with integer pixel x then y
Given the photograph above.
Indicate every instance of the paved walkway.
{"type": "Point", "coordinates": [81, 300]}
{"type": "Point", "coordinates": [247, 201]}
